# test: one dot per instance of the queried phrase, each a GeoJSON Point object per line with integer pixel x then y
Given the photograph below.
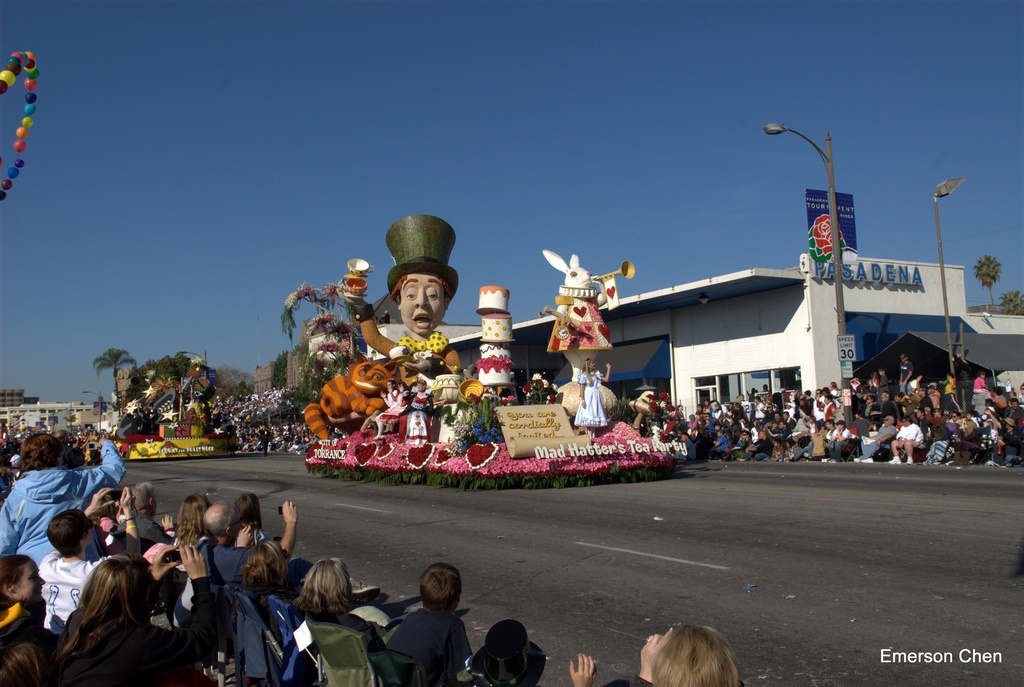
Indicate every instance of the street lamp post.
{"type": "Point", "coordinates": [774, 129]}
{"type": "Point", "coordinates": [942, 190]}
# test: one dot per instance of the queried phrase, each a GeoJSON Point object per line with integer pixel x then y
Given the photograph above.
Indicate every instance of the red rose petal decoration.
{"type": "Point", "coordinates": [417, 456]}
{"type": "Point", "coordinates": [364, 452]}
{"type": "Point", "coordinates": [480, 455]}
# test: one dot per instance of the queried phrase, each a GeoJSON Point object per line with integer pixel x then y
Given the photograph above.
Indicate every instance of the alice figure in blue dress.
{"type": "Point", "coordinates": [591, 411]}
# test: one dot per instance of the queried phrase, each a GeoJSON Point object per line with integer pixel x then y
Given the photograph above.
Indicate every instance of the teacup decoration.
{"type": "Point", "coordinates": [358, 268]}
{"type": "Point", "coordinates": [355, 285]}
{"type": "Point", "coordinates": [401, 354]}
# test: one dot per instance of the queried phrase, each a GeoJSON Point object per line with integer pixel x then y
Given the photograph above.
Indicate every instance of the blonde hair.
{"type": "Point", "coordinates": [695, 656]}
{"type": "Point", "coordinates": [191, 528]}
{"type": "Point", "coordinates": [327, 588]}
{"type": "Point", "coordinates": [265, 566]}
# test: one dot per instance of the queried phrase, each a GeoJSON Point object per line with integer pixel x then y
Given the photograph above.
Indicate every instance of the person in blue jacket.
{"type": "Point", "coordinates": [45, 489]}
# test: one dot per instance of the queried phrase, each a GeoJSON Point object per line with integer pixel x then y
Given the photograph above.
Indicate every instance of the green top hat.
{"type": "Point", "coordinates": [421, 244]}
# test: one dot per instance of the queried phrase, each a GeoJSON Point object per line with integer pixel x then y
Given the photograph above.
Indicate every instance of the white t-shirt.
{"type": "Point", "coordinates": [912, 432]}
{"type": "Point", "coordinates": [63, 587]}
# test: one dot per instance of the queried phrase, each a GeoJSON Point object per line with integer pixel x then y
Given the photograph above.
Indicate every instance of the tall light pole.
{"type": "Point", "coordinates": [774, 129]}
{"type": "Point", "coordinates": [942, 190]}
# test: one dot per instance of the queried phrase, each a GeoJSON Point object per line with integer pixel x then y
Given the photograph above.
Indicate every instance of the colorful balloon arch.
{"type": "Point", "coordinates": [17, 63]}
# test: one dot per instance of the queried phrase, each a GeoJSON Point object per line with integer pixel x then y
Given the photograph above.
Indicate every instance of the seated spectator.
{"type": "Point", "coordinates": [762, 448]}
{"type": "Point", "coordinates": [888, 406]}
{"type": "Point", "coordinates": [266, 573]}
{"type": "Point", "coordinates": [20, 587]}
{"type": "Point", "coordinates": [966, 442]}
{"type": "Point", "coordinates": [109, 641]}
{"type": "Point", "coordinates": [509, 657]}
{"type": "Point", "coordinates": [940, 444]}
{"type": "Point", "coordinates": [885, 436]}
{"type": "Point", "coordinates": [740, 449]}
{"type": "Point", "coordinates": [66, 569]}
{"type": "Point", "coordinates": [326, 597]}
{"type": "Point", "coordinates": [251, 514]}
{"type": "Point", "coordinates": [817, 447]}
{"type": "Point", "coordinates": [150, 533]}
{"type": "Point", "coordinates": [837, 441]}
{"type": "Point", "coordinates": [434, 636]}
{"type": "Point", "coordinates": [190, 527]}
{"type": "Point", "coordinates": [908, 439]}
{"type": "Point", "coordinates": [689, 450]}
{"type": "Point", "coordinates": [24, 665]}
{"type": "Point", "coordinates": [687, 656]}
{"type": "Point", "coordinates": [45, 489]}
{"type": "Point", "coordinates": [862, 425]}
{"type": "Point", "coordinates": [720, 449]}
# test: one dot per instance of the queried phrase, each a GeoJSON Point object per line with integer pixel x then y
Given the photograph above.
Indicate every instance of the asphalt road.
{"type": "Point", "coordinates": [811, 570]}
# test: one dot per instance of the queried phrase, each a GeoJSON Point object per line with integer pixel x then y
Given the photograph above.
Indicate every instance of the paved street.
{"type": "Point", "coordinates": [842, 561]}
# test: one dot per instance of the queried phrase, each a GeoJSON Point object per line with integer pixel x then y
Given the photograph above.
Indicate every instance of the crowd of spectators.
{"type": "Point", "coordinates": [266, 421]}
{"type": "Point", "coordinates": [947, 421]}
{"type": "Point", "coordinates": [113, 571]}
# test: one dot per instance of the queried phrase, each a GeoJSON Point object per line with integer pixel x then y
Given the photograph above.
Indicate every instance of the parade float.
{"type": "Point", "coordinates": [171, 419]}
{"type": "Point", "coordinates": [457, 430]}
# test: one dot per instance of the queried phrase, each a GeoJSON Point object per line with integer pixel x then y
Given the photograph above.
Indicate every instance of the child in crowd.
{"type": "Point", "coordinates": [434, 636]}
{"type": "Point", "coordinates": [721, 448]}
{"type": "Point", "coordinates": [66, 569]}
{"type": "Point", "coordinates": [252, 516]}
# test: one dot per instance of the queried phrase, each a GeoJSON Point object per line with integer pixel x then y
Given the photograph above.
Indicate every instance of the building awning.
{"type": "Point", "coordinates": [876, 331]}
{"type": "Point", "coordinates": [647, 360]}
{"type": "Point", "coordinates": [927, 351]}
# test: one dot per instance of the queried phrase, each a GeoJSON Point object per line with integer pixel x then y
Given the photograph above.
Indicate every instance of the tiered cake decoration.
{"type": "Point", "coordinates": [495, 364]}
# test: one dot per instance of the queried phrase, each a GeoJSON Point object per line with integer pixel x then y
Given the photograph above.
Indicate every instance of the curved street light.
{"type": "Point", "coordinates": [941, 191]}
{"type": "Point", "coordinates": [773, 129]}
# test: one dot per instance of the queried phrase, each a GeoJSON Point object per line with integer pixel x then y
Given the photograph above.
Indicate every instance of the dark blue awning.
{"type": "Point", "coordinates": [647, 360]}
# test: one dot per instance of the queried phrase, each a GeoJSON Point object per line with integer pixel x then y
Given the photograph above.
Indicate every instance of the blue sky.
{"type": "Point", "coordinates": [192, 163]}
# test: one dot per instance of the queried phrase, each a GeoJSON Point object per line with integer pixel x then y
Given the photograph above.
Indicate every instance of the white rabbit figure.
{"type": "Point", "coordinates": [575, 276]}
{"type": "Point", "coordinates": [579, 331]}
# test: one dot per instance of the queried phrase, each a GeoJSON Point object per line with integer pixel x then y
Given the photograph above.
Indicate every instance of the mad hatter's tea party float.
{"type": "Point", "coordinates": [418, 418]}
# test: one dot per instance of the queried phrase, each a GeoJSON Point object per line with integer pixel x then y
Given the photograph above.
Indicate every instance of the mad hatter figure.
{"type": "Point", "coordinates": [422, 284]}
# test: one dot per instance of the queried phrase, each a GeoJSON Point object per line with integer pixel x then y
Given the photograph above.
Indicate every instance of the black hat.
{"type": "Point", "coordinates": [421, 244]}
{"type": "Point", "coordinates": [508, 658]}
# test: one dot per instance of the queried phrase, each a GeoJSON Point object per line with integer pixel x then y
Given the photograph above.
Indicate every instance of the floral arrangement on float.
{"type": "Point", "coordinates": [488, 465]}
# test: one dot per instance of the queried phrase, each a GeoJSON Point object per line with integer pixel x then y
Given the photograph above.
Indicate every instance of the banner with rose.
{"type": "Point", "coordinates": [819, 226]}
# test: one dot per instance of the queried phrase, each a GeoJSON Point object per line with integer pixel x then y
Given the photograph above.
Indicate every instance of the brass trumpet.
{"type": "Point", "coordinates": [626, 269]}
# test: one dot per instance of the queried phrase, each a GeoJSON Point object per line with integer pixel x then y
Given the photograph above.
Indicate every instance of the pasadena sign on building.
{"type": "Point", "coordinates": [886, 273]}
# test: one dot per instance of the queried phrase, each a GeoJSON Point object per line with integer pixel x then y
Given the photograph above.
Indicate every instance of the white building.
{"type": "Point", "coordinates": [720, 337]}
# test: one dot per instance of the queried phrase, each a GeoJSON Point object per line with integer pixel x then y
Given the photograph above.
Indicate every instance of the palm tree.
{"type": "Point", "coordinates": [1012, 303]}
{"type": "Point", "coordinates": [988, 271]}
{"type": "Point", "coordinates": [113, 359]}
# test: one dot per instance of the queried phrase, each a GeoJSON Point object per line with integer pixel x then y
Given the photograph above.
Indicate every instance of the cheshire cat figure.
{"type": "Point", "coordinates": [347, 401]}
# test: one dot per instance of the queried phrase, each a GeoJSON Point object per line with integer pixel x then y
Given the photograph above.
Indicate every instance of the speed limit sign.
{"type": "Point", "coordinates": [847, 348]}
